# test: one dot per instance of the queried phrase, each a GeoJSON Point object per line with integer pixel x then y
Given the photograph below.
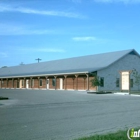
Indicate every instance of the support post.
{"type": "Point", "coordinates": [73, 82]}
{"type": "Point", "coordinates": [84, 82]}
{"type": "Point", "coordinates": [38, 82]}
{"type": "Point", "coordinates": [65, 82]}
{"type": "Point", "coordinates": [18, 84]}
{"type": "Point", "coordinates": [1, 83]}
{"type": "Point", "coordinates": [55, 82]}
{"type": "Point", "coordinates": [30, 82]}
{"type": "Point", "coordinates": [87, 81]}
{"type": "Point", "coordinates": [76, 82]}
{"type": "Point", "coordinates": [13, 82]}
{"type": "Point", "coordinates": [46, 81]}
{"type": "Point", "coordinates": [6, 83]}
{"type": "Point", "coordinates": [24, 82]}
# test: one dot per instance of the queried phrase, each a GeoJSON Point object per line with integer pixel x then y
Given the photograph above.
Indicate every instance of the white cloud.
{"type": "Point", "coordinates": [3, 54]}
{"type": "Point", "coordinates": [7, 8]}
{"type": "Point", "coordinates": [40, 49]}
{"type": "Point", "coordinates": [87, 38]}
{"type": "Point", "coordinates": [76, 1]}
{"type": "Point", "coordinates": [50, 50]}
{"type": "Point", "coordinates": [117, 1]}
{"type": "Point", "coordinates": [7, 29]}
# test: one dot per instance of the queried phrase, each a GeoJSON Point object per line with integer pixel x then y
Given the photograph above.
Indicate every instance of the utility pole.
{"type": "Point", "coordinates": [38, 59]}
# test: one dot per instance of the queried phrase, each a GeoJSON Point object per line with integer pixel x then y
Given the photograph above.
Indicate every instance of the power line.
{"type": "Point", "coordinates": [38, 59]}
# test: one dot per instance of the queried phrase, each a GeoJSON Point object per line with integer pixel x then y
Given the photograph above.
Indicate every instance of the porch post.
{"type": "Point", "coordinates": [76, 82]}
{"type": "Point", "coordinates": [7, 83]}
{"type": "Point", "coordinates": [55, 82]}
{"type": "Point", "coordinates": [87, 81]}
{"type": "Point", "coordinates": [24, 82]}
{"type": "Point", "coordinates": [30, 82]}
{"type": "Point", "coordinates": [13, 82]}
{"type": "Point", "coordinates": [73, 82]}
{"type": "Point", "coordinates": [38, 82]}
{"type": "Point", "coordinates": [84, 82]}
{"type": "Point", "coordinates": [18, 84]}
{"type": "Point", "coordinates": [1, 83]}
{"type": "Point", "coordinates": [46, 81]}
{"type": "Point", "coordinates": [65, 82]}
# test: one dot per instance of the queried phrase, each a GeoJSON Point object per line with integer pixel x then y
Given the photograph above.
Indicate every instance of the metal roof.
{"type": "Point", "coordinates": [83, 64]}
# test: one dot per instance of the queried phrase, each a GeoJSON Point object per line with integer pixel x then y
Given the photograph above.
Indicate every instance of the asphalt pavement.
{"type": "Point", "coordinates": [64, 115]}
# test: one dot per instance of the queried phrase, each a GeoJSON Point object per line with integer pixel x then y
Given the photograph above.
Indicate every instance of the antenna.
{"type": "Point", "coordinates": [38, 59]}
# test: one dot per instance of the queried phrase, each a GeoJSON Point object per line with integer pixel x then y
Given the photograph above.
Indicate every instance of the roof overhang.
{"type": "Point", "coordinates": [44, 75]}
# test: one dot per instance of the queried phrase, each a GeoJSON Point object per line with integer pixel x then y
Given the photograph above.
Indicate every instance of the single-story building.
{"type": "Point", "coordinates": [75, 73]}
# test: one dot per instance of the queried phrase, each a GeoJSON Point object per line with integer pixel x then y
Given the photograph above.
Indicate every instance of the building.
{"type": "Point", "coordinates": [74, 73]}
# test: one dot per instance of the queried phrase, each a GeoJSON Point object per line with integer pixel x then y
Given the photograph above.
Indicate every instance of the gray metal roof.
{"type": "Point", "coordinates": [81, 64]}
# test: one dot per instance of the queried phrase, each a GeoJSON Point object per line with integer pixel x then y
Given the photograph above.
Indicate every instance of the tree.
{"type": "Point", "coordinates": [136, 76]}
{"type": "Point", "coordinates": [95, 81]}
{"type": "Point", "coordinates": [4, 67]}
{"type": "Point", "coordinates": [21, 63]}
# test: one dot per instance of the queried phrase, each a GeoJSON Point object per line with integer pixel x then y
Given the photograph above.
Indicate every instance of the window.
{"type": "Point", "coordinates": [131, 83]}
{"type": "Point", "coordinates": [53, 82]}
{"type": "Point", "coordinates": [102, 81]}
{"type": "Point", "coordinates": [117, 82]}
{"type": "Point", "coordinates": [41, 82]}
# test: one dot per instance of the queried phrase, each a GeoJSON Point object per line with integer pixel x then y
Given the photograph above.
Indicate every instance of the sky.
{"type": "Point", "coordinates": [57, 29]}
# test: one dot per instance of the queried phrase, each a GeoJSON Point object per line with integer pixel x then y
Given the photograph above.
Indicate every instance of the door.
{"type": "Point", "coordinates": [61, 83]}
{"type": "Point", "coordinates": [27, 83]}
{"type": "Point", "coordinates": [47, 83]}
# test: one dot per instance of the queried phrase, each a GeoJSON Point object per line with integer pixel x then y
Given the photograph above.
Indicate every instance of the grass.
{"type": "Point", "coordinates": [120, 135]}
{"type": "Point", "coordinates": [135, 92]}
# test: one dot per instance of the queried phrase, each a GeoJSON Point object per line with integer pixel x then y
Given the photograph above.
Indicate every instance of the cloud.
{"type": "Point", "coordinates": [118, 1]}
{"type": "Point", "coordinates": [51, 50]}
{"type": "Point", "coordinates": [3, 54]}
{"type": "Point", "coordinates": [76, 1]}
{"type": "Point", "coordinates": [7, 29]}
{"type": "Point", "coordinates": [7, 8]}
{"type": "Point", "coordinates": [87, 38]}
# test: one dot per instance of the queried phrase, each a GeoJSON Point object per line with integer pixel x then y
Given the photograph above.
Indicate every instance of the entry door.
{"type": "Point", "coordinates": [27, 83]}
{"type": "Point", "coordinates": [47, 82]}
{"type": "Point", "coordinates": [61, 83]}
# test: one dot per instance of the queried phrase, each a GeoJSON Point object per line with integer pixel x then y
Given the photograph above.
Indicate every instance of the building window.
{"type": "Point", "coordinates": [117, 82]}
{"type": "Point", "coordinates": [41, 82]}
{"type": "Point", "coordinates": [102, 81]}
{"type": "Point", "coordinates": [53, 82]}
{"type": "Point", "coordinates": [131, 83]}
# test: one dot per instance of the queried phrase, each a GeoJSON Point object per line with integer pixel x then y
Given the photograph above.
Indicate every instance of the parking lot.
{"type": "Point", "coordinates": [64, 115]}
